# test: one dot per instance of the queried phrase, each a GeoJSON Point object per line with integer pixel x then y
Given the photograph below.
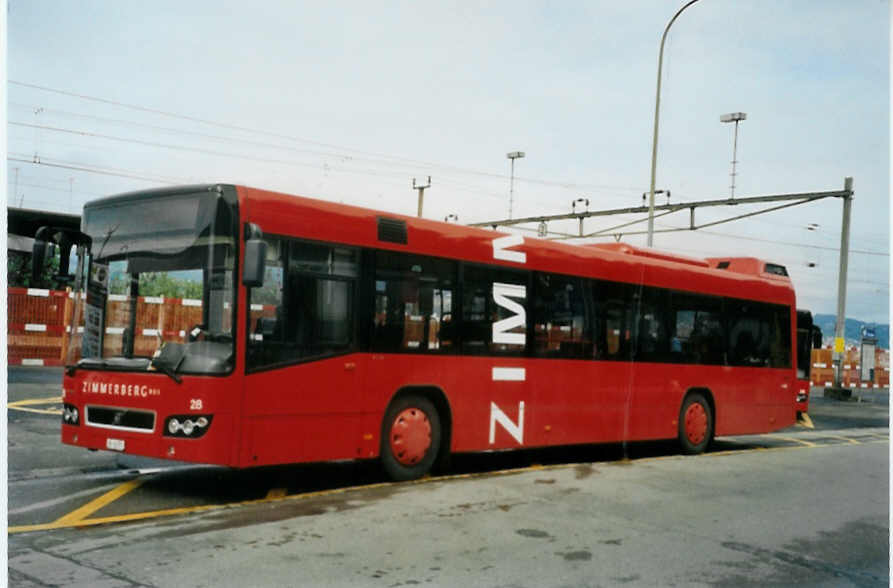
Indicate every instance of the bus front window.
{"type": "Point", "coordinates": [161, 275]}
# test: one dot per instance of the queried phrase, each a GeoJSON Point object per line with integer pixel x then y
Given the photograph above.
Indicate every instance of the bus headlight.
{"type": "Point", "coordinates": [189, 426]}
{"type": "Point", "coordinates": [70, 414]}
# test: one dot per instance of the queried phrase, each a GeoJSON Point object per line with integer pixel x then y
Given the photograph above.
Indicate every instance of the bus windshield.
{"type": "Point", "coordinates": [160, 275]}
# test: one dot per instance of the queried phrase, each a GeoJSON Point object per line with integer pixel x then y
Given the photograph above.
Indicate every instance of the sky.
{"type": "Point", "coordinates": [350, 101]}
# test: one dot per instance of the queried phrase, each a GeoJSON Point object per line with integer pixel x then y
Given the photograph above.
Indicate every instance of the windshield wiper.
{"type": "Point", "coordinates": [167, 371]}
{"type": "Point", "coordinates": [169, 360]}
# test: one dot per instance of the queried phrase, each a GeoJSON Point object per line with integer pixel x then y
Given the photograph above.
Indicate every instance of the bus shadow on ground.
{"type": "Point", "coordinates": [198, 486]}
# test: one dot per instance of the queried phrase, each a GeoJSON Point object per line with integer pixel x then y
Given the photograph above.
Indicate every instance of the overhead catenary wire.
{"type": "Point", "coordinates": [388, 160]}
{"type": "Point", "coordinates": [43, 161]}
{"type": "Point", "coordinates": [333, 167]}
{"type": "Point", "coordinates": [399, 159]}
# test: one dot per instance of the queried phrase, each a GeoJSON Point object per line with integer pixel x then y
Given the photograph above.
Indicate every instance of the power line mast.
{"type": "Point", "coordinates": [421, 190]}
{"type": "Point", "coordinates": [839, 353]}
{"type": "Point", "coordinates": [735, 117]}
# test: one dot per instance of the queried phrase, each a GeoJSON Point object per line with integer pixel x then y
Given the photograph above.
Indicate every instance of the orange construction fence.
{"type": "Point", "coordinates": [38, 324]}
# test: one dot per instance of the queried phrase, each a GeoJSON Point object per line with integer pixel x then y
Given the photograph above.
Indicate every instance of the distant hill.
{"type": "Point", "coordinates": [852, 329]}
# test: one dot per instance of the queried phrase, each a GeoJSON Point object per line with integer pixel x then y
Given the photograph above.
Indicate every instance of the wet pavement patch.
{"type": "Point", "coordinates": [575, 555]}
{"type": "Point", "coordinates": [533, 533]}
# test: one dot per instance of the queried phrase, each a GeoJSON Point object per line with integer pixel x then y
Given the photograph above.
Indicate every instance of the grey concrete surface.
{"type": "Point", "coordinates": [813, 517]}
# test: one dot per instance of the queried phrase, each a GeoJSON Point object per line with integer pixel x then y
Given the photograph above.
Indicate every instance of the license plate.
{"type": "Point", "coordinates": [114, 444]}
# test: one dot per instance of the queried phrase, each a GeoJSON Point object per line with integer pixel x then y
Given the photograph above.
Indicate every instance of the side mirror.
{"type": "Point", "coordinates": [255, 263]}
{"type": "Point", "coordinates": [44, 249]}
{"type": "Point", "coordinates": [38, 259]}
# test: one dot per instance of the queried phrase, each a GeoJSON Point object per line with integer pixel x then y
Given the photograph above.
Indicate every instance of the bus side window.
{"type": "Point", "coordinates": [653, 344]}
{"type": "Point", "coordinates": [413, 303]}
{"type": "Point", "coordinates": [305, 307]}
{"type": "Point", "coordinates": [613, 303]}
{"type": "Point", "coordinates": [319, 294]}
{"type": "Point", "coordinates": [491, 321]}
{"type": "Point", "coordinates": [748, 333]}
{"type": "Point", "coordinates": [559, 317]}
{"type": "Point", "coordinates": [780, 337]}
{"type": "Point", "coordinates": [266, 311]}
{"type": "Point", "coordinates": [697, 333]}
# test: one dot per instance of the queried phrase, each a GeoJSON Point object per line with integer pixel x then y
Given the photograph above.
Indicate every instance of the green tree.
{"type": "Point", "coordinates": [163, 284]}
{"type": "Point", "coordinates": [18, 272]}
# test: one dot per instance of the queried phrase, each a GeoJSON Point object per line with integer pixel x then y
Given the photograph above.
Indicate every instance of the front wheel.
{"type": "Point", "coordinates": [695, 424]}
{"type": "Point", "coordinates": [410, 439]}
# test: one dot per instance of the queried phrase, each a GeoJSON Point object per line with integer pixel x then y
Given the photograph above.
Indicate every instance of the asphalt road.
{"type": "Point", "coordinates": [804, 506]}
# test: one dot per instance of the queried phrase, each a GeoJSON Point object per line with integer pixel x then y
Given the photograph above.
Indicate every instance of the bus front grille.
{"type": "Point", "coordinates": [121, 418]}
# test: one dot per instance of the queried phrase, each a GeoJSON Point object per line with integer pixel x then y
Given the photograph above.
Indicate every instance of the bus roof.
{"type": "Point", "coordinates": [309, 218]}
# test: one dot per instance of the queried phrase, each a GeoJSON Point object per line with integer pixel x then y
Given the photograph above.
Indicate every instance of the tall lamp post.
{"type": "Point", "coordinates": [660, 64]}
{"type": "Point", "coordinates": [513, 156]}
{"type": "Point", "coordinates": [734, 117]}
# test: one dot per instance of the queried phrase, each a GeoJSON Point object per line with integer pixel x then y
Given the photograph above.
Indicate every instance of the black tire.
{"type": "Point", "coordinates": [413, 464]}
{"type": "Point", "coordinates": [696, 424]}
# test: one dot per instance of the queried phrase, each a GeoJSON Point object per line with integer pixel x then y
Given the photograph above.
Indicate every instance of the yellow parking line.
{"type": "Point", "coordinates": [30, 401]}
{"type": "Point", "coordinates": [37, 410]}
{"type": "Point", "coordinates": [112, 495]}
{"type": "Point", "coordinates": [24, 405]}
{"type": "Point", "coordinates": [847, 439]}
{"type": "Point", "coordinates": [792, 440]}
{"type": "Point", "coordinates": [805, 421]}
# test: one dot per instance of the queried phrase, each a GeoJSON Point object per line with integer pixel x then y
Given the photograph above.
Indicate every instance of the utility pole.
{"type": "Point", "coordinates": [838, 391]}
{"type": "Point", "coordinates": [735, 117]}
{"type": "Point", "coordinates": [513, 156]}
{"type": "Point", "coordinates": [421, 190]}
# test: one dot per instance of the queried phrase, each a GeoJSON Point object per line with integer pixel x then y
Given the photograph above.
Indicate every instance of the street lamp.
{"type": "Point", "coordinates": [660, 65]}
{"type": "Point", "coordinates": [513, 156]}
{"type": "Point", "coordinates": [734, 117]}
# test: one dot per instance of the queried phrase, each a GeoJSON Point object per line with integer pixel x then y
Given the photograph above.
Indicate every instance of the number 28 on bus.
{"type": "Point", "coordinates": [228, 325]}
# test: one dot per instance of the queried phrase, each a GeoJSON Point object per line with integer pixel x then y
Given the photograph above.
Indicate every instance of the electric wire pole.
{"type": "Point", "coordinates": [513, 156]}
{"type": "Point", "coordinates": [735, 117]}
{"type": "Point", "coordinates": [421, 190]}
{"type": "Point", "coordinates": [839, 354]}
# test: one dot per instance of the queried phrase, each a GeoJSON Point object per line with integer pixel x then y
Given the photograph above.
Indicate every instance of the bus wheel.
{"type": "Point", "coordinates": [410, 438]}
{"type": "Point", "coordinates": [695, 424]}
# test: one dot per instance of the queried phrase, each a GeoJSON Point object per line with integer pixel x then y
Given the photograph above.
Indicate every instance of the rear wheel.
{"type": "Point", "coordinates": [410, 439]}
{"type": "Point", "coordinates": [695, 424]}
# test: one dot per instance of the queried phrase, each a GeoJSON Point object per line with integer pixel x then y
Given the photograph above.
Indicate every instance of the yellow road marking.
{"type": "Point", "coordinates": [64, 522]}
{"type": "Point", "coordinates": [805, 421]}
{"type": "Point", "coordinates": [276, 493]}
{"type": "Point", "coordinates": [23, 405]}
{"type": "Point", "coordinates": [112, 495]}
{"type": "Point", "coordinates": [792, 440]}
{"type": "Point", "coordinates": [37, 410]}
{"type": "Point", "coordinates": [847, 439]}
{"type": "Point", "coordinates": [30, 401]}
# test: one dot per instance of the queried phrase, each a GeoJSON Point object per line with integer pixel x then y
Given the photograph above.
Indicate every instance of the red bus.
{"type": "Point", "coordinates": [329, 332]}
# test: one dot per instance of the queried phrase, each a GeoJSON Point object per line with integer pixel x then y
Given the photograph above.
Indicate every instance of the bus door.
{"type": "Point", "coordinates": [303, 390]}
